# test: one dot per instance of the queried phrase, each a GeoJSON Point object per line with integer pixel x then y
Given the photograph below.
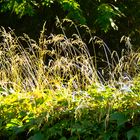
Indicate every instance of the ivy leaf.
{"type": "Point", "coordinates": [37, 136]}
{"type": "Point", "coordinates": [134, 132]}
{"type": "Point", "coordinates": [119, 117]}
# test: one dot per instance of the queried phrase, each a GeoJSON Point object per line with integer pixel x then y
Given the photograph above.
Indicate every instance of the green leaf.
{"type": "Point", "coordinates": [73, 138]}
{"type": "Point", "coordinates": [119, 117]}
{"type": "Point", "coordinates": [130, 134]}
{"type": "Point", "coordinates": [37, 136]}
{"type": "Point", "coordinates": [74, 11]}
{"type": "Point", "coordinates": [63, 138]}
{"type": "Point", "coordinates": [14, 122]}
{"type": "Point", "coordinates": [106, 136]}
{"type": "Point", "coordinates": [106, 16]}
{"type": "Point", "coordinates": [134, 132]}
{"type": "Point", "coordinates": [19, 130]}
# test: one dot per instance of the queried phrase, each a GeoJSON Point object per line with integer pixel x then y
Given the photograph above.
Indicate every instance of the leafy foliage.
{"type": "Point", "coordinates": [73, 9]}
{"type": "Point", "coordinates": [26, 7]}
{"type": "Point", "coordinates": [55, 115]}
{"type": "Point", "coordinates": [106, 16]}
{"type": "Point", "coordinates": [19, 7]}
{"type": "Point", "coordinates": [109, 20]}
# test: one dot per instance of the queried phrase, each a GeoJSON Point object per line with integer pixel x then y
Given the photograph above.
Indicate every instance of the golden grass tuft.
{"type": "Point", "coordinates": [23, 67]}
{"type": "Point", "coordinates": [23, 64]}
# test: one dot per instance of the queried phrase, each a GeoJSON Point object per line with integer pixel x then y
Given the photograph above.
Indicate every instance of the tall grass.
{"type": "Point", "coordinates": [23, 62]}
{"type": "Point", "coordinates": [56, 60]}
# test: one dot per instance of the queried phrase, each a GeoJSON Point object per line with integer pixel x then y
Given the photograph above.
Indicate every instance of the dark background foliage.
{"type": "Point", "coordinates": [107, 19]}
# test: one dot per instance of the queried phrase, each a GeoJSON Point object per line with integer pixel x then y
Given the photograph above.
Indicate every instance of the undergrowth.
{"type": "Point", "coordinates": [52, 89]}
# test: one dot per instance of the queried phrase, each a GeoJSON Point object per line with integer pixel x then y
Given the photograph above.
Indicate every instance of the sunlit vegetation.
{"type": "Point", "coordinates": [52, 89]}
{"type": "Point", "coordinates": [78, 78]}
